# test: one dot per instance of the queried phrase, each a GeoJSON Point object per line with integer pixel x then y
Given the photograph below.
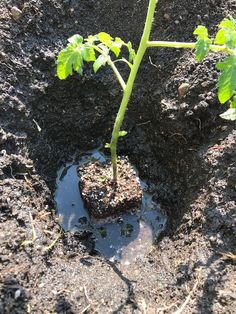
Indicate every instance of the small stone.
{"type": "Point", "coordinates": [16, 13]}
{"type": "Point", "coordinates": [167, 17]}
{"type": "Point", "coordinates": [183, 89]}
{"type": "Point", "coordinates": [204, 84]}
{"type": "Point", "coordinates": [3, 56]}
{"type": "Point", "coordinates": [17, 294]}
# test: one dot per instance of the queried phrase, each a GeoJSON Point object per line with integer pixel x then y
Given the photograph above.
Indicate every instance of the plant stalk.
{"type": "Point", "coordinates": [129, 86]}
{"type": "Point", "coordinates": [112, 65]}
{"type": "Point", "coordinates": [175, 44]}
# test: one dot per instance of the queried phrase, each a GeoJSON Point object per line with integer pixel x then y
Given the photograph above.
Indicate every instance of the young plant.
{"type": "Point", "coordinates": [101, 49]}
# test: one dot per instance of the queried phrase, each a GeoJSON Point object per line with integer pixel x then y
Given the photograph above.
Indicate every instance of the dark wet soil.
{"type": "Point", "coordinates": [105, 198]}
{"type": "Point", "coordinates": [179, 145]}
{"type": "Point", "coordinates": [123, 237]}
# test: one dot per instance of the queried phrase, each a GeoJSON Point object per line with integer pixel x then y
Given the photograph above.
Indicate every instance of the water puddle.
{"type": "Point", "coordinates": [125, 238]}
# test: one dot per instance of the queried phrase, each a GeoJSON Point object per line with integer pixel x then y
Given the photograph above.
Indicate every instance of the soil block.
{"type": "Point", "coordinates": [102, 197]}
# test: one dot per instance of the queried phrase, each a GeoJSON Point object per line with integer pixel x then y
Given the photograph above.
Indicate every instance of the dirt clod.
{"type": "Point", "coordinates": [16, 13]}
{"type": "Point", "coordinates": [183, 89]}
{"type": "Point", "coordinates": [105, 198]}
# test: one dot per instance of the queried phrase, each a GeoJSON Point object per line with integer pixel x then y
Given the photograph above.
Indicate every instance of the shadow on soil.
{"type": "Point", "coordinates": [14, 297]}
{"type": "Point", "coordinates": [63, 306]}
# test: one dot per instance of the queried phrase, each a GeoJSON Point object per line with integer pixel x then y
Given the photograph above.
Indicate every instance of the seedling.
{"type": "Point", "coordinates": [102, 49]}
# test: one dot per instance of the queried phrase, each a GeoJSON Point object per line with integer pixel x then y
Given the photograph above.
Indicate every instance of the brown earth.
{"type": "Point", "coordinates": [105, 198]}
{"type": "Point", "coordinates": [180, 145]}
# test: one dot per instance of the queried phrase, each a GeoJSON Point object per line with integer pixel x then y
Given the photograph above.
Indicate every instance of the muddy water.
{"type": "Point", "coordinates": [125, 238]}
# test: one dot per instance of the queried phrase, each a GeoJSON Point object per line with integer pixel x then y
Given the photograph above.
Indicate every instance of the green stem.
{"type": "Point", "coordinates": [112, 65]}
{"type": "Point", "coordinates": [175, 44]}
{"type": "Point", "coordinates": [125, 61]}
{"type": "Point", "coordinates": [129, 86]}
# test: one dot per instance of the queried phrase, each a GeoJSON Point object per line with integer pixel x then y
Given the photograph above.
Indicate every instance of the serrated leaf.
{"type": "Point", "coordinates": [221, 37]}
{"type": "Point", "coordinates": [100, 61]}
{"type": "Point", "coordinates": [116, 45]}
{"type": "Point", "coordinates": [107, 145]}
{"type": "Point", "coordinates": [227, 33]}
{"type": "Point", "coordinates": [123, 133]}
{"type": "Point", "coordinates": [76, 39]}
{"type": "Point", "coordinates": [116, 50]}
{"type": "Point", "coordinates": [88, 53]}
{"type": "Point", "coordinates": [104, 38]}
{"type": "Point", "coordinates": [91, 39]}
{"type": "Point", "coordinates": [230, 24]}
{"type": "Point", "coordinates": [119, 42]}
{"type": "Point", "coordinates": [230, 114]}
{"type": "Point", "coordinates": [227, 80]}
{"type": "Point", "coordinates": [203, 42]}
{"type": "Point", "coordinates": [132, 53]}
{"type": "Point", "coordinates": [68, 60]}
{"type": "Point", "coordinates": [201, 31]}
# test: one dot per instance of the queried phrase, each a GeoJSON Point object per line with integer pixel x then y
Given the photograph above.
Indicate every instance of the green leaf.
{"type": "Point", "coordinates": [69, 59]}
{"type": "Point", "coordinates": [203, 42]}
{"type": "Point", "coordinates": [88, 53]}
{"type": "Point", "coordinates": [221, 37]}
{"type": "Point", "coordinates": [230, 114]}
{"type": "Point", "coordinates": [76, 39]}
{"type": "Point", "coordinates": [104, 48]}
{"type": "Point", "coordinates": [227, 33]}
{"type": "Point", "coordinates": [91, 39]}
{"type": "Point", "coordinates": [104, 38]}
{"type": "Point", "coordinates": [132, 53]}
{"type": "Point", "coordinates": [116, 46]}
{"type": "Point", "coordinates": [227, 80]}
{"type": "Point", "coordinates": [123, 133]}
{"type": "Point", "coordinates": [107, 145]}
{"type": "Point", "coordinates": [116, 50]}
{"type": "Point", "coordinates": [233, 103]}
{"type": "Point", "coordinates": [100, 61]}
{"type": "Point", "coordinates": [201, 31]}
{"type": "Point", "coordinates": [119, 42]}
{"type": "Point", "coordinates": [230, 24]}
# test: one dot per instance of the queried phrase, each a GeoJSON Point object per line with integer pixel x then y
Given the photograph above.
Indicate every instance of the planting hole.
{"type": "Point", "coordinates": [123, 238]}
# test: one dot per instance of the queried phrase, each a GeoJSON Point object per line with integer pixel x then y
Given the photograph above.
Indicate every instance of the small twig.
{"type": "Point", "coordinates": [42, 215]}
{"type": "Point", "coordinates": [12, 173]}
{"type": "Point", "coordinates": [37, 125]}
{"type": "Point", "coordinates": [150, 60]}
{"type": "Point", "coordinates": [180, 310]}
{"type": "Point", "coordinates": [85, 309]}
{"type": "Point", "coordinates": [228, 255]}
{"type": "Point", "coordinates": [143, 123]}
{"type": "Point", "coordinates": [162, 309]}
{"type": "Point", "coordinates": [49, 247]}
{"type": "Point", "coordinates": [86, 295]}
{"type": "Point", "coordinates": [26, 242]}
{"type": "Point", "coordinates": [200, 124]}
{"type": "Point", "coordinates": [180, 135]}
{"type": "Point", "coordinates": [91, 303]}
